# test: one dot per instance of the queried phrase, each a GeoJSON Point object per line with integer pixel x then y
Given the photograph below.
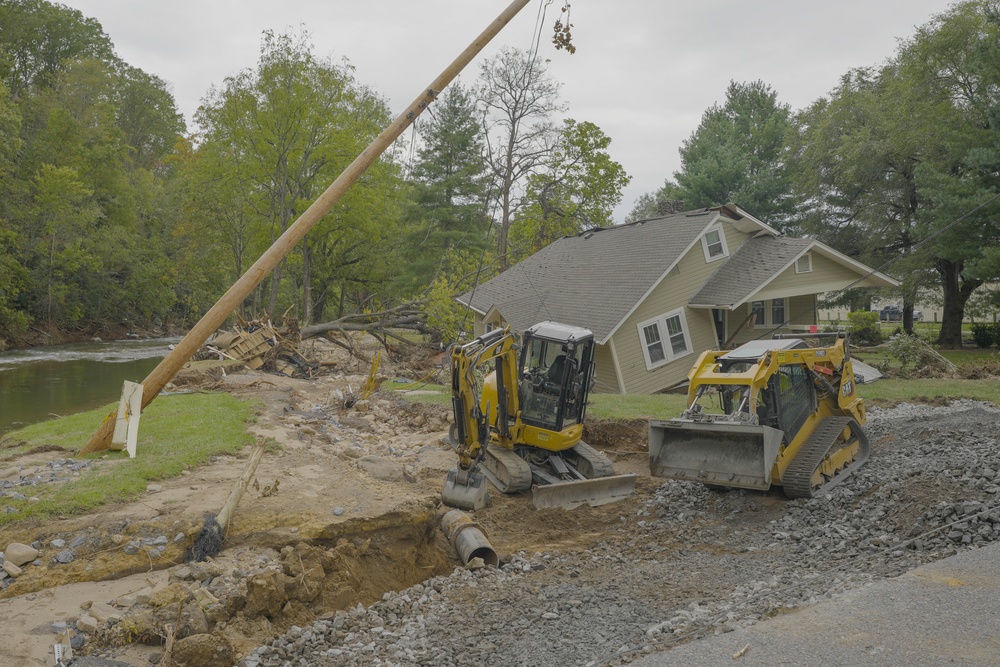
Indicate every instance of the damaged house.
{"type": "Point", "coordinates": [658, 292]}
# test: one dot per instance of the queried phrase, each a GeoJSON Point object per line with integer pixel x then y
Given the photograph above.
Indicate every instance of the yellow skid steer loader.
{"type": "Point", "coordinates": [771, 412]}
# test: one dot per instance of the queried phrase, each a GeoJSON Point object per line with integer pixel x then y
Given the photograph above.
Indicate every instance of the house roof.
{"type": "Point", "coordinates": [597, 278]}
{"type": "Point", "coordinates": [753, 264]}
{"type": "Point", "coordinates": [593, 279]}
{"type": "Point", "coordinates": [763, 258]}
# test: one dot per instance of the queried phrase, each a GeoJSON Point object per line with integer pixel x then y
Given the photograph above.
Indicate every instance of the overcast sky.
{"type": "Point", "coordinates": [644, 70]}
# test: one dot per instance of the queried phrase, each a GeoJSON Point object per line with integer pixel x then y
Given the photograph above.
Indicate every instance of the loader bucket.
{"type": "Point", "coordinates": [716, 453]}
{"type": "Point", "coordinates": [593, 492]}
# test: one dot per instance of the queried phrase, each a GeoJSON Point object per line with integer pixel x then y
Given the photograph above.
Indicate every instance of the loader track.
{"type": "Point", "coordinates": [508, 471]}
{"type": "Point", "coordinates": [797, 479]}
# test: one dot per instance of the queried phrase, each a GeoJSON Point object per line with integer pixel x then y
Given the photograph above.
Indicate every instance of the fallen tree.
{"type": "Point", "coordinates": [381, 325]}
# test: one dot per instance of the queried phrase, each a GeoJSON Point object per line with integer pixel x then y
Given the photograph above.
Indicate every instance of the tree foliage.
{"type": "Point", "coordinates": [896, 154]}
{"type": "Point", "coordinates": [737, 154]}
{"type": "Point", "coordinates": [274, 137]}
{"type": "Point", "coordinates": [86, 230]}
{"type": "Point", "coordinates": [578, 189]}
{"type": "Point", "coordinates": [447, 205]}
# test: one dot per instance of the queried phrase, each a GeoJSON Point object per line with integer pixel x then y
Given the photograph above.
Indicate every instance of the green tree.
{"type": "Point", "coordinates": [647, 205]}
{"type": "Point", "coordinates": [855, 156]}
{"type": "Point", "coordinates": [448, 189]}
{"type": "Point", "coordinates": [64, 215]}
{"type": "Point", "coordinates": [38, 39]}
{"type": "Point", "coordinates": [955, 63]}
{"type": "Point", "coordinates": [737, 154]}
{"type": "Point", "coordinates": [578, 190]}
{"type": "Point", "coordinates": [284, 130]}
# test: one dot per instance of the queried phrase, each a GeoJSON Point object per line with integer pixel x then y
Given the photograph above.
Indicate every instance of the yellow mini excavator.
{"type": "Point", "coordinates": [777, 411]}
{"type": "Point", "coordinates": [520, 427]}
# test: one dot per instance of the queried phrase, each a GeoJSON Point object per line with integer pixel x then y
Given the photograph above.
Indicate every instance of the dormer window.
{"type": "Point", "coordinates": [714, 244]}
{"type": "Point", "coordinates": [804, 264]}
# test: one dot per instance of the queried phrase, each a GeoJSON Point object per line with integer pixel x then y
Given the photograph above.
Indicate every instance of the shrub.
{"type": "Point", "coordinates": [863, 327]}
{"type": "Point", "coordinates": [985, 335]}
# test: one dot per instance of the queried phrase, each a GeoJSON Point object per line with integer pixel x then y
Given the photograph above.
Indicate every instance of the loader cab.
{"type": "Point", "coordinates": [789, 396]}
{"type": "Point", "coordinates": [557, 363]}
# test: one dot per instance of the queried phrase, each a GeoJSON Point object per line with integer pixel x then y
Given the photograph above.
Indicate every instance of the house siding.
{"type": "Point", "coordinates": [825, 271]}
{"type": "Point", "coordinates": [690, 274]}
{"type": "Point", "coordinates": [605, 378]}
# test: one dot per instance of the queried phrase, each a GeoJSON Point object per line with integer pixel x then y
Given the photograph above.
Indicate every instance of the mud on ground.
{"type": "Point", "coordinates": [344, 508]}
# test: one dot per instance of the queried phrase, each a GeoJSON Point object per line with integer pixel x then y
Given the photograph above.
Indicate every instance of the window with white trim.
{"type": "Point", "coordinates": [665, 338]}
{"type": "Point", "coordinates": [675, 332]}
{"type": "Point", "coordinates": [778, 311]}
{"type": "Point", "coordinates": [714, 244]}
{"type": "Point", "coordinates": [757, 308]}
{"type": "Point", "coordinates": [804, 264]}
{"type": "Point", "coordinates": [654, 345]}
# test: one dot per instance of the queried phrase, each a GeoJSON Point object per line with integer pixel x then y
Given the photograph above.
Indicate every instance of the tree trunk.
{"type": "Point", "coordinates": [908, 316]}
{"type": "Point", "coordinates": [272, 303]}
{"type": "Point", "coordinates": [956, 293]}
{"type": "Point", "coordinates": [307, 304]}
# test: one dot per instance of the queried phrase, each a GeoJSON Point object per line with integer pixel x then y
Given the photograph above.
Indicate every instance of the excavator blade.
{"type": "Point", "coordinates": [715, 453]}
{"type": "Point", "coordinates": [593, 492]}
{"type": "Point", "coordinates": [465, 489]}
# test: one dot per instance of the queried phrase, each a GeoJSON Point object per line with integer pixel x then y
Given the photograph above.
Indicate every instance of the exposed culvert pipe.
{"type": "Point", "coordinates": [468, 540]}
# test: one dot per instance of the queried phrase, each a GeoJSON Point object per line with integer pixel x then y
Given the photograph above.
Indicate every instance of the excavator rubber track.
{"type": "Point", "coordinates": [799, 479]}
{"type": "Point", "coordinates": [590, 462]}
{"type": "Point", "coordinates": [508, 471]}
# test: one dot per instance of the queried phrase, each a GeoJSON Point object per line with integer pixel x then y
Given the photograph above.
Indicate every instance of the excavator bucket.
{"type": "Point", "coordinates": [593, 492]}
{"type": "Point", "coordinates": [465, 490]}
{"type": "Point", "coordinates": [716, 453]}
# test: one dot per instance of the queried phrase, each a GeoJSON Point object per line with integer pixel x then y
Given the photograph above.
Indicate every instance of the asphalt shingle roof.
{"type": "Point", "coordinates": [753, 264]}
{"type": "Point", "coordinates": [593, 279]}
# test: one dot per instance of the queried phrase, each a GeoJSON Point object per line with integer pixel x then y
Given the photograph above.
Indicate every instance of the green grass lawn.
{"type": "Point", "coordinates": [175, 432]}
{"type": "Point", "coordinates": [665, 406]}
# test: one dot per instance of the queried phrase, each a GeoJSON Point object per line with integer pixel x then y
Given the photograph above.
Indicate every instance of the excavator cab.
{"type": "Point", "coordinates": [556, 363]}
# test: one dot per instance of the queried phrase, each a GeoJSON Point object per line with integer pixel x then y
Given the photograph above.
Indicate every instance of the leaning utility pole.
{"type": "Point", "coordinates": [217, 315]}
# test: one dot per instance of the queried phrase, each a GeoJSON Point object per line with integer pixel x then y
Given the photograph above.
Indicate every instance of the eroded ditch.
{"type": "Point", "coordinates": [262, 584]}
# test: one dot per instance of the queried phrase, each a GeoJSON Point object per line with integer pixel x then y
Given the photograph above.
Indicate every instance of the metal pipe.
{"type": "Point", "coordinates": [468, 540]}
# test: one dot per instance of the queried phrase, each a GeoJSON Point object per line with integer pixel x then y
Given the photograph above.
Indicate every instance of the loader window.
{"type": "Point", "coordinates": [795, 398]}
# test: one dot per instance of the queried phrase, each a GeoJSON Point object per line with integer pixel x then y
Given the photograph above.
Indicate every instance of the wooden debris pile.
{"type": "Point", "coordinates": [260, 345]}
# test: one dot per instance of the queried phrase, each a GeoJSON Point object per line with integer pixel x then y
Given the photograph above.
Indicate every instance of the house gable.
{"type": "Point", "coordinates": [668, 297]}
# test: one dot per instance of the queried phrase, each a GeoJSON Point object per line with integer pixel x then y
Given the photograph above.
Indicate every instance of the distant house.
{"type": "Point", "coordinates": [658, 292]}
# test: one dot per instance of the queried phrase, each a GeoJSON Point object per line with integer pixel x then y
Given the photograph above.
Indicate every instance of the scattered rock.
{"type": "Point", "coordinates": [381, 468]}
{"type": "Point", "coordinates": [19, 554]}
{"type": "Point", "coordinates": [86, 623]}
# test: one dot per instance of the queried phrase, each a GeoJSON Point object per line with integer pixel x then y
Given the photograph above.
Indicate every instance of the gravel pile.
{"type": "Point", "coordinates": [690, 562]}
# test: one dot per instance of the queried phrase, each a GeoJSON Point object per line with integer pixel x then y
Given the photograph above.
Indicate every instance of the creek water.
{"type": "Point", "coordinates": [46, 382]}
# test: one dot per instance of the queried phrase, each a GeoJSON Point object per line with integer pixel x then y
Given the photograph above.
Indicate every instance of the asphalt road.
{"type": "Point", "coordinates": [945, 613]}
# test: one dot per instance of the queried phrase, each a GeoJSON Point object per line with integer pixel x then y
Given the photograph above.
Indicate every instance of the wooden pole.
{"type": "Point", "coordinates": [240, 487]}
{"type": "Point", "coordinates": [217, 315]}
